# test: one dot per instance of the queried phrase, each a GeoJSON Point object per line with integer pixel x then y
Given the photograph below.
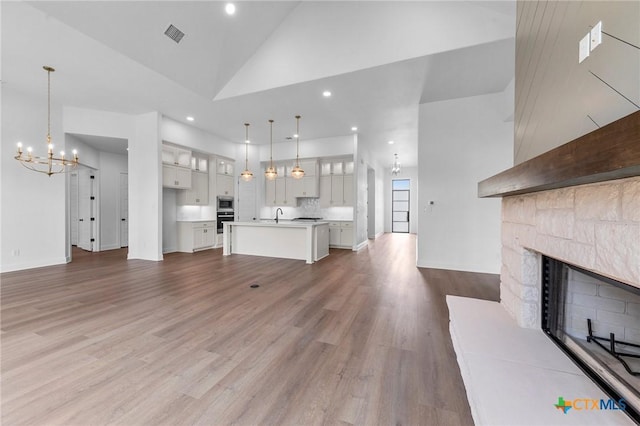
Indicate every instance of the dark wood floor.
{"type": "Point", "coordinates": [357, 338]}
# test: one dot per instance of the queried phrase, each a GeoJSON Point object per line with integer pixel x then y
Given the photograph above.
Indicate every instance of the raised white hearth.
{"type": "Point", "coordinates": [515, 375]}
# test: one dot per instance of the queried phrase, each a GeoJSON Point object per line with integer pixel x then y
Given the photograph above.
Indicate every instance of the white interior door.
{"type": "Point", "coordinates": [73, 199]}
{"type": "Point", "coordinates": [86, 202]}
{"type": "Point", "coordinates": [124, 210]}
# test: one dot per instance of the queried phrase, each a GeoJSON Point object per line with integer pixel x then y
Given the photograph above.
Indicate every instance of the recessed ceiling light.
{"type": "Point", "coordinates": [189, 118]}
{"type": "Point", "coordinates": [390, 142]}
{"type": "Point", "coordinates": [326, 93]}
{"type": "Point", "coordinates": [354, 129]}
{"type": "Point", "coordinates": [230, 8]}
{"type": "Point", "coordinates": [295, 135]}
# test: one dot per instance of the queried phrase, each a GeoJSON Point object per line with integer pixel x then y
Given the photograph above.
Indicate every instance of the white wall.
{"type": "Point", "coordinates": [196, 139]}
{"type": "Point", "coordinates": [312, 148]}
{"type": "Point", "coordinates": [363, 162]}
{"type": "Point", "coordinates": [145, 189]}
{"type": "Point", "coordinates": [462, 142]}
{"type": "Point", "coordinates": [405, 173]}
{"type": "Point", "coordinates": [33, 208]}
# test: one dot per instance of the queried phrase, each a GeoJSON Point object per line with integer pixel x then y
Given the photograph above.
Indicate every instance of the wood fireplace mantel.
{"type": "Point", "coordinates": [610, 152]}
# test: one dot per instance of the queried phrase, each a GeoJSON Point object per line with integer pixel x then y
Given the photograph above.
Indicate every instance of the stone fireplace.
{"type": "Point", "coordinates": [593, 226]}
{"type": "Point", "coordinates": [571, 252]}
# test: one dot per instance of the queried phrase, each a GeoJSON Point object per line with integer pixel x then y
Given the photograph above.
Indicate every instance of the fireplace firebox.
{"type": "Point", "coordinates": [595, 320]}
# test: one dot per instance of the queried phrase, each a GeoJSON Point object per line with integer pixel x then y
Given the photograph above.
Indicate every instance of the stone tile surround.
{"type": "Point", "coordinates": [594, 226]}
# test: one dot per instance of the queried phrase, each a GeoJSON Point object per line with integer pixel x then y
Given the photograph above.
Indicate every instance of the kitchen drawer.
{"type": "Point", "coordinates": [211, 224]}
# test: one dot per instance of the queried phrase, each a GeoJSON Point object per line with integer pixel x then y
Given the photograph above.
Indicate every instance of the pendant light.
{"type": "Point", "coordinates": [48, 165]}
{"type": "Point", "coordinates": [246, 175]}
{"type": "Point", "coordinates": [297, 172]}
{"type": "Point", "coordinates": [395, 170]}
{"type": "Point", "coordinates": [271, 173]}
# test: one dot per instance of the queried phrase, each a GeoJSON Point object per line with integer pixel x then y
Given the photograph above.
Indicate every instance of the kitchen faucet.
{"type": "Point", "coordinates": [278, 210]}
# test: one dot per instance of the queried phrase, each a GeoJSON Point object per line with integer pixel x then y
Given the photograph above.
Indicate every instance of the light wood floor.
{"type": "Point", "coordinates": [357, 338]}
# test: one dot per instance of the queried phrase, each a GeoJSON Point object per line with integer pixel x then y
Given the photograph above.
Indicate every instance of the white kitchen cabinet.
{"type": "Point", "coordinates": [325, 191]}
{"type": "Point", "coordinates": [305, 187]}
{"type": "Point", "coordinates": [224, 185]}
{"type": "Point", "coordinates": [284, 192]}
{"type": "Point", "coordinates": [176, 156]}
{"type": "Point", "coordinates": [341, 234]}
{"type": "Point", "coordinates": [336, 191]}
{"type": "Point", "coordinates": [176, 177]}
{"type": "Point", "coordinates": [176, 164]}
{"type": "Point", "coordinates": [270, 192]}
{"type": "Point", "coordinates": [198, 194]}
{"type": "Point", "coordinates": [224, 167]}
{"type": "Point", "coordinates": [279, 192]}
{"type": "Point", "coordinates": [347, 190]}
{"type": "Point", "coordinates": [200, 162]}
{"type": "Point", "coordinates": [194, 236]}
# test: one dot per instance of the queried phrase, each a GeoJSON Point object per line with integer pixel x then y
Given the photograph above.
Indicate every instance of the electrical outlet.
{"type": "Point", "coordinates": [16, 252]}
{"type": "Point", "coordinates": [583, 48]}
{"type": "Point", "coordinates": [596, 35]}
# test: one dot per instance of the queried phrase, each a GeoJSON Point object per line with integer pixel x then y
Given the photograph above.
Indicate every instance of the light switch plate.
{"type": "Point", "coordinates": [583, 48]}
{"type": "Point", "coordinates": [596, 35]}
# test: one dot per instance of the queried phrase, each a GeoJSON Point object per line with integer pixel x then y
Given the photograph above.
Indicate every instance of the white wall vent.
{"type": "Point", "coordinates": [174, 34]}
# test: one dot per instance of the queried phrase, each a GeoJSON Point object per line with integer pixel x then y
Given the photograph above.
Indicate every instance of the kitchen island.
{"type": "Point", "coordinates": [308, 241]}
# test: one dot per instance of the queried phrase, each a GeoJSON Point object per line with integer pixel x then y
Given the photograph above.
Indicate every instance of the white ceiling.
{"type": "Point", "coordinates": [270, 60]}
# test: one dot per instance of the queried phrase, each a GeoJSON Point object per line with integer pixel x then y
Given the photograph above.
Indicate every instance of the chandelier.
{"type": "Point", "coordinates": [395, 170]}
{"type": "Point", "coordinates": [50, 164]}
{"type": "Point", "coordinates": [271, 173]}
{"type": "Point", "coordinates": [297, 172]}
{"type": "Point", "coordinates": [246, 175]}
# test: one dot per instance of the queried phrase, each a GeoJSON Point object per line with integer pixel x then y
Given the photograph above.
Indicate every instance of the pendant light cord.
{"type": "Point", "coordinates": [246, 146]}
{"type": "Point", "coordinates": [297, 141]}
{"type": "Point", "coordinates": [271, 143]}
{"type": "Point", "coordinates": [48, 106]}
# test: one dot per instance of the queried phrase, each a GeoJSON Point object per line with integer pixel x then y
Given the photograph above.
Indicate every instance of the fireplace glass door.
{"type": "Point", "coordinates": [596, 321]}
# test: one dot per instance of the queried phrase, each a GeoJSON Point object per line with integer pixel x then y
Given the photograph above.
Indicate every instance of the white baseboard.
{"type": "Point", "coordinates": [361, 245]}
{"type": "Point", "coordinates": [30, 264]}
{"type": "Point", "coordinates": [480, 269]}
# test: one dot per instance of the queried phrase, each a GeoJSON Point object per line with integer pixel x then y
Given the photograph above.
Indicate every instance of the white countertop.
{"type": "Point", "coordinates": [282, 223]}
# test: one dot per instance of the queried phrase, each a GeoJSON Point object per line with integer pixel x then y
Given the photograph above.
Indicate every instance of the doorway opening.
{"type": "Point", "coordinates": [400, 195]}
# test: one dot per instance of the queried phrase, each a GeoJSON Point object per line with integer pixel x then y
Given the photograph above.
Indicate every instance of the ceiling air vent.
{"type": "Point", "coordinates": [174, 34]}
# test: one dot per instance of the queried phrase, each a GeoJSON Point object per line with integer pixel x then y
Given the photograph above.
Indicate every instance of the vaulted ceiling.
{"type": "Point", "coordinates": [271, 59]}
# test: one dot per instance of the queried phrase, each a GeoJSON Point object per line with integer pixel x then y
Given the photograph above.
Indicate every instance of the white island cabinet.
{"type": "Point", "coordinates": [195, 235]}
{"type": "Point", "coordinates": [288, 240]}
